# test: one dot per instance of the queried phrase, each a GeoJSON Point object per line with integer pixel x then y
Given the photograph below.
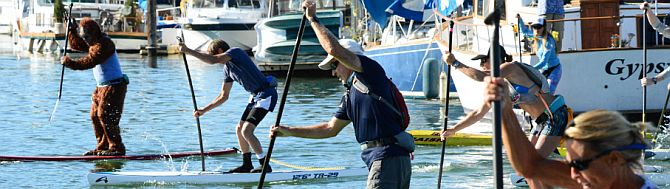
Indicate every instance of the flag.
{"type": "Point", "coordinates": [417, 10]}
{"type": "Point", "coordinates": [445, 7]}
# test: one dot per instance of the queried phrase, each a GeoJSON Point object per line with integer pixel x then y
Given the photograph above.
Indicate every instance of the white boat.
{"type": "Point", "coordinates": [126, 178]}
{"type": "Point", "coordinates": [230, 20]}
{"type": "Point", "coordinates": [37, 32]}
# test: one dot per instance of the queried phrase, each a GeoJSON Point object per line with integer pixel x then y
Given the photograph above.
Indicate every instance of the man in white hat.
{"type": "Point", "coordinates": [375, 123]}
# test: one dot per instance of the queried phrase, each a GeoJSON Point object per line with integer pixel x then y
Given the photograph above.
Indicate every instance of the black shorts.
{"type": "Point", "coordinates": [253, 115]}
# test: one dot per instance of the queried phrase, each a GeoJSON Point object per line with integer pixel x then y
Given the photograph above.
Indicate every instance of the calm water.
{"type": "Point", "coordinates": [158, 118]}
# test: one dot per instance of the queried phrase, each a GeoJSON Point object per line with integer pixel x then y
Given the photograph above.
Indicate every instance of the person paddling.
{"type": "Point", "coordinates": [112, 84]}
{"type": "Point", "coordinates": [604, 150]}
{"type": "Point", "coordinates": [237, 66]}
{"type": "Point", "coordinates": [530, 91]}
{"type": "Point", "coordinates": [665, 31]}
{"type": "Point", "coordinates": [375, 123]}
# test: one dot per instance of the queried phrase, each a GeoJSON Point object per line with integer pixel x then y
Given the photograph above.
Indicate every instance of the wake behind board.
{"type": "Point", "coordinates": [431, 137]}
{"type": "Point", "coordinates": [127, 178]}
{"type": "Point", "coordinates": [126, 157]}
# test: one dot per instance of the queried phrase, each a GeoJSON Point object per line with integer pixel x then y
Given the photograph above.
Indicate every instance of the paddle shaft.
{"type": "Point", "coordinates": [644, 62]}
{"type": "Point", "coordinates": [287, 84]}
{"type": "Point", "coordinates": [519, 33]}
{"type": "Point", "coordinates": [494, 19]}
{"type": "Point", "coordinates": [446, 106]}
{"type": "Point", "coordinates": [195, 104]}
{"type": "Point", "coordinates": [62, 71]}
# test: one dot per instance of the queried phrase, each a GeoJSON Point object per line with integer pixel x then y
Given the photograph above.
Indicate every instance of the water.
{"type": "Point", "coordinates": [158, 118]}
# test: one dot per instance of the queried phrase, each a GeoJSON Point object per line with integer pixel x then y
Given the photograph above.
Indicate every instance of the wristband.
{"type": "Point", "coordinates": [456, 64]}
{"type": "Point", "coordinates": [654, 80]}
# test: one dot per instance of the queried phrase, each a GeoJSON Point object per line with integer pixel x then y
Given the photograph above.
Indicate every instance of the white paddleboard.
{"type": "Point", "coordinates": [660, 179]}
{"type": "Point", "coordinates": [125, 178]}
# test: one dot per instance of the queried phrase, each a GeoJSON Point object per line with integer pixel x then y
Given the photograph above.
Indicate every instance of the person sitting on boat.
{"type": "Point", "coordinates": [237, 66]}
{"type": "Point", "coordinates": [375, 124]}
{"type": "Point", "coordinates": [546, 49]}
{"type": "Point", "coordinates": [604, 150]}
{"type": "Point", "coordinates": [655, 22]}
{"type": "Point", "coordinates": [112, 84]}
{"type": "Point", "coordinates": [529, 90]}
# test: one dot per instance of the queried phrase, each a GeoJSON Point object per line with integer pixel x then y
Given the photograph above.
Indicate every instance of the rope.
{"type": "Point", "coordinates": [306, 168]}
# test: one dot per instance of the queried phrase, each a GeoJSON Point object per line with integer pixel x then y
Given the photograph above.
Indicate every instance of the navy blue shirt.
{"type": "Point", "coordinates": [371, 118]}
{"type": "Point", "coordinates": [242, 69]}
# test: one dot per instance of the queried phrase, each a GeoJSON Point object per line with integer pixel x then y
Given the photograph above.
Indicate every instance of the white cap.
{"type": "Point", "coordinates": [539, 22]}
{"type": "Point", "coordinates": [348, 44]}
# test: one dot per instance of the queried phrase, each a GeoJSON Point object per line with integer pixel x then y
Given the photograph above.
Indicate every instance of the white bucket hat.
{"type": "Point", "coordinates": [348, 44]}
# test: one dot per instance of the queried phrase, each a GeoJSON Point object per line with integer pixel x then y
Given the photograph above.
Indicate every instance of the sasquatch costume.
{"type": "Point", "coordinates": [111, 87]}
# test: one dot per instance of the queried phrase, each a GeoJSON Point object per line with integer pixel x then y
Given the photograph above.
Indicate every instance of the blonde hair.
{"type": "Point", "coordinates": [606, 130]}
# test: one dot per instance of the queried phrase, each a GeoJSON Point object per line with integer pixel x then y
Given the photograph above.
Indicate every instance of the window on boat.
{"type": "Point", "coordinates": [208, 3]}
{"type": "Point", "coordinates": [485, 7]}
{"type": "Point", "coordinates": [244, 3]}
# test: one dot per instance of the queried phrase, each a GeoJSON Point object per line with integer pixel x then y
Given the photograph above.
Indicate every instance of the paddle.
{"type": "Point", "coordinates": [446, 106]}
{"type": "Point", "coordinates": [494, 19]}
{"type": "Point", "coordinates": [644, 62]}
{"type": "Point", "coordinates": [518, 31]}
{"type": "Point", "coordinates": [195, 105]}
{"type": "Point", "coordinates": [287, 84]}
{"type": "Point", "coordinates": [62, 71]}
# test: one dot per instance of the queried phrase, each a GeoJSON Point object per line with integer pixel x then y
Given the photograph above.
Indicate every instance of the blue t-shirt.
{"type": "Point", "coordinates": [242, 69]}
{"type": "Point", "coordinates": [550, 7]}
{"type": "Point", "coordinates": [546, 53]}
{"type": "Point", "coordinates": [371, 118]}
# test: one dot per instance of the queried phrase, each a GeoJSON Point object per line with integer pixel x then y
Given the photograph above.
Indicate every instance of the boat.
{"type": "Point", "coordinates": [277, 37]}
{"type": "Point", "coordinates": [126, 157]}
{"type": "Point", "coordinates": [37, 31]}
{"type": "Point", "coordinates": [232, 21]}
{"type": "Point", "coordinates": [6, 11]}
{"type": "Point", "coordinates": [127, 178]}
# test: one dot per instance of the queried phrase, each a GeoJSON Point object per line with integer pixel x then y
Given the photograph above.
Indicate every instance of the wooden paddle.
{"type": "Point", "coordinates": [287, 84]}
{"type": "Point", "coordinates": [62, 71]}
{"type": "Point", "coordinates": [195, 105]}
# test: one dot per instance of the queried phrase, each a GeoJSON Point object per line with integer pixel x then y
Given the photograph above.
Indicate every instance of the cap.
{"type": "Point", "coordinates": [538, 23]}
{"type": "Point", "coordinates": [485, 56]}
{"type": "Point", "coordinates": [348, 44]}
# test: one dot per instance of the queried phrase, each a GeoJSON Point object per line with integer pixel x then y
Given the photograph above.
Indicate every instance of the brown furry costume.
{"type": "Point", "coordinates": [107, 100]}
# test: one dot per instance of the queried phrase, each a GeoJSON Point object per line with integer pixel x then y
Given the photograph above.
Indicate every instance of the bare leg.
{"type": "Point", "coordinates": [244, 146]}
{"type": "Point", "coordinates": [248, 134]}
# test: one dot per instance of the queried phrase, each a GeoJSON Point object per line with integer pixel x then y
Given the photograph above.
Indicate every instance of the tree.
{"type": "Point", "coordinates": [59, 11]}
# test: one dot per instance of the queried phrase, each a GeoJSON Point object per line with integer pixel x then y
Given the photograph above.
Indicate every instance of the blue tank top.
{"type": "Point", "coordinates": [109, 70]}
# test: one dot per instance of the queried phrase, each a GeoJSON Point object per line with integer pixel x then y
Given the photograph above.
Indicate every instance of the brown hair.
{"type": "Point", "coordinates": [217, 44]}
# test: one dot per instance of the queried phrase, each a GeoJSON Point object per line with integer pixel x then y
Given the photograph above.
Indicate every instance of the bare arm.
{"type": "Point", "coordinates": [209, 59]}
{"type": "Point", "coordinates": [473, 117]}
{"type": "Point", "coordinates": [321, 130]}
{"type": "Point", "coordinates": [223, 97]}
{"type": "Point", "coordinates": [329, 41]}
{"type": "Point", "coordinates": [657, 24]}
{"type": "Point", "coordinates": [522, 155]}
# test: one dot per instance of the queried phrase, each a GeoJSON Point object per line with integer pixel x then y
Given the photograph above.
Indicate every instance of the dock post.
{"type": "Point", "coordinates": [151, 28]}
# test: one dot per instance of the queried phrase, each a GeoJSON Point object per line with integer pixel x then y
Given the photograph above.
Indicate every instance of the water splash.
{"type": "Point", "coordinates": [54, 111]}
{"type": "Point", "coordinates": [430, 168]}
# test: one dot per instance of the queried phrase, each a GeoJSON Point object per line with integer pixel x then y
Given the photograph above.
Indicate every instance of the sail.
{"type": "Point", "coordinates": [417, 10]}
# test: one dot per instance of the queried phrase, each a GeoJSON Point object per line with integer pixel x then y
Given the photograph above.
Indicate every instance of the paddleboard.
{"type": "Point", "coordinates": [127, 178]}
{"type": "Point", "coordinates": [431, 137]}
{"type": "Point", "coordinates": [660, 179]}
{"type": "Point", "coordinates": [126, 157]}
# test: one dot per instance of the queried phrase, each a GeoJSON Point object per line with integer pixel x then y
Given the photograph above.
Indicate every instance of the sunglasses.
{"type": "Point", "coordinates": [583, 164]}
{"type": "Point", "coordinates": [334, 65]}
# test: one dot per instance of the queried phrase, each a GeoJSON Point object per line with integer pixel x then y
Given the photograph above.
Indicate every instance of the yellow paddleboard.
{"type": "Point", "coordinates": [430, 137]}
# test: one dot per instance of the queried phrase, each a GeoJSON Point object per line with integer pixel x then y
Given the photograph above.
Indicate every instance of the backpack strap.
{"type": "Point", "coordinates": [361, 87]}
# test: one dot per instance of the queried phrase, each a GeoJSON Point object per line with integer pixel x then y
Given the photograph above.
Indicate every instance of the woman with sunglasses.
{"type": "Point", "coordinates": [604, 149]}
{"type": "Point", "coordinates": [546, 49]}
{"type": "Point", "coordinates": [529, 91]}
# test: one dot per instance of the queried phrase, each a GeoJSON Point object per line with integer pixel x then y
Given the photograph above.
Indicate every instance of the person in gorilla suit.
{"type": "Point", "coordinates": [111, 88]}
